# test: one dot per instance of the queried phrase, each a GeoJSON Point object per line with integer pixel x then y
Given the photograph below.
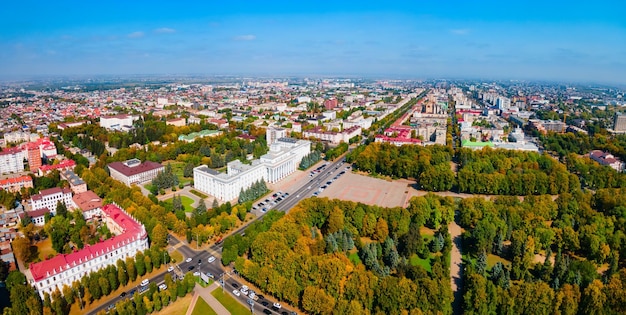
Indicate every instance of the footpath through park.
{"type": "Point", "coordinates": [205, 294]}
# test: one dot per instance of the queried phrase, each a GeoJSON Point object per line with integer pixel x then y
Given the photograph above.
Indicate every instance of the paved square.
{"type": "Point", "coordinates": [368, 190]}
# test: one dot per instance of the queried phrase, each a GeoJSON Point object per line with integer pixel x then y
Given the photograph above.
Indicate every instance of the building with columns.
{"type": "Point", "coordinates": [283, 159]}
{"type": "Point", "coordinates": [63, 269]}
{"type": "Point", "coordinates": [133, 171]}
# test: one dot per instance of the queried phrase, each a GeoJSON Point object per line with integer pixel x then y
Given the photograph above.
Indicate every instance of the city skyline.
{"type": "Point", "coordinates": [536, 41]}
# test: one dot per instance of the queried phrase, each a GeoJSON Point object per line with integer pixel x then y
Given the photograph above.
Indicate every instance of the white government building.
{"type": "Point", "coordinates": [283, 159]}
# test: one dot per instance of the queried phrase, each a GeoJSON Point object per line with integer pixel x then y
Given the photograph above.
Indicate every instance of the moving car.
{"type": "Point", "coordinates": [188, 259]}
{"type": "Point", "coordinates": [211, 259]}
{"type": "Point", "coordinates": [170, 268]}
{"type": "Point", "coordinates": [277, 305]}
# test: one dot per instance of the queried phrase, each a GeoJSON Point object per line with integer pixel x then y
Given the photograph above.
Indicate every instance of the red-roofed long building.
{"type": "Point", "coordinates": [14, 184]}
{"type": "Point", "coordinates": [63, 269]}
{"type": "Point", "coordinates": [133, 171]}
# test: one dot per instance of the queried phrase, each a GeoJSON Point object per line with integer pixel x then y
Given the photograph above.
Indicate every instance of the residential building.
{"type": "Point", "coordinates": [134, 171]}
{"type": "Point", "coordinates": [19, 136]}
{"type": "Point", "coordinates": [619, 122]}
{"type": "Point", "coordinates": [77, 184]}
{"type": "Point", "coordinates": [178, 122]}
{"type": "Point", "coordinates": [48, 198]}
{"type": "Point", "coordinates": [89, 203]}
{"type": "Point", "coordinates": [15, 184]}
{"type": "Point", "coordinates": [11, 161]}
{"type": "Point", "coordinates": [63, 269]}
{"type": "Point", "coordinates": [282, 159]}
{"type": "Point", "coordinates": [38, 217]}
{"type": "Point", "coordinates": [333, 136]}
{"type": "Point", "coordinates": [274, 133]}
{"type": "Point", "coordinates": [34, 157]}
{"type": "Point", "coordinates": [330, 103]}
{"type": "Point", "coordinates": [607, 159]}
{"type": "Point", "coordinates": [63, 165]}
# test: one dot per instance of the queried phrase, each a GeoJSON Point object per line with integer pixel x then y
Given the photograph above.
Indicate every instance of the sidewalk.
{"type": "Point", "coordinates": [205, 293]}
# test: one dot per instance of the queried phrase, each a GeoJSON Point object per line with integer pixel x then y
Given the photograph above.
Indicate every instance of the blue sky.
{"type": "Point", "coordinates": [553, 40]}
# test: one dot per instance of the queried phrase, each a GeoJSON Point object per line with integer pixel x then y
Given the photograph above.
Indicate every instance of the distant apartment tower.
{"type": "Point", "coordinates": [619, 122]}
{"type": "Point", "coordinates": [133, 171]}
{"type": "Point", "coordinates": [331, 103]}
{"type": "Point", "coordinates": [272, 134]}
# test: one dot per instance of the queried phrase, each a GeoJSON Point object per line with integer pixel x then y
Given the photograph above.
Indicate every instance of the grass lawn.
{"type": "Point", "coordinates": [493, 259]}
{"type": "Point", "coordinates": [45, 249]}
{"type": "Point", "coordinates": [179, 168]}
{"type": "Point", "coordinates": [179, 307]}
{"type": "Point", "coordinates": [176, 256]}
{"type": "Point", "coordinates": [199, 194]}
{"type": "Point", "coordinates": [186, 203]}
{"type": "Point", "coordinates": [417, 261]}
{"type": "Point", "coordinates": [201, 308]}
{"type": "Point", "coordinates": [234, 307]}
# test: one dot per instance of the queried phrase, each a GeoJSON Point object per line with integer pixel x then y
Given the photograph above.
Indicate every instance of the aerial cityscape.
{"type": "Point", "coordinates": [313, 158]}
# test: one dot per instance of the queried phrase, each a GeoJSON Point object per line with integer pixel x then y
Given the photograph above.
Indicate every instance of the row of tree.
{"type": "Point", "coordinates": [310, 160]}
{"type": "Point", "coordinates": [258, 189]}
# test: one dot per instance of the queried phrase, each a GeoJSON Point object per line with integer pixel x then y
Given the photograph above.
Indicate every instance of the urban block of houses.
{"type": "Point", "coordinates": [282, 159]}
{"type": "Point", "coordinates": [607, 159]}
{"type": "Point", "coordinates": [134, 171]}
{"type": "Point", "coordinates": [63, 269]}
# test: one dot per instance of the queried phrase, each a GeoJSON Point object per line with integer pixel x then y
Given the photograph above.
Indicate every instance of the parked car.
{"type": "Point", "coordinates": [170, 268]}
{"type": "Point", "coordinates": [162, 287]}
{"type": "Point", "coordinates": [145, 282]}
{"type": "Point", "coordinates": [236, 292]}
{"type": "Point", "coordinates": [277, 305]}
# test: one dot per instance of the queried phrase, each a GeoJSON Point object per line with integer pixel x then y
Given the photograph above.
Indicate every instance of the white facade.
{"type": "Point", "coordinates": [272, 134]}
{"type": "Point", "coordinates": [117, 122]}
{"type": "Point", "coordinates": [11, 161]}
{"type": "Point", "coordinates": [49, 198]}
{"type": "Point", "coordinates": [19, 136]}
{"type": "Point", "coordinates": [283, 159]}
{"type": "Point", "coordinates": [50, 275]}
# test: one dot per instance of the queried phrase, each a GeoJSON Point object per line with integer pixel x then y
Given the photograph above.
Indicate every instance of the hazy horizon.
{"type": "Point", "coordinates": [555, 41]}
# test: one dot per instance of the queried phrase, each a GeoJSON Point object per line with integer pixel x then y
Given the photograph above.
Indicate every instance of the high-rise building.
{"type": "Point", "coordinates": [619, 122]}
{"type": "Point", "coordinates": [11, 161]}
{"type": "Point", "coordinates": [273, 133]}
{"type": "Point", "coordinates": [34, 157]}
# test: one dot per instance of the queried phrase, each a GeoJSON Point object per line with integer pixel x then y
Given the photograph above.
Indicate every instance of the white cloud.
{"type": "Point", "coordinates": [165, 30]}
{"type": "Point", "coordinates": [245, 37]}
{"type": "Point", "coordinates": [136, 35]}
{"type": "Point", "coordinates": [460, 31]}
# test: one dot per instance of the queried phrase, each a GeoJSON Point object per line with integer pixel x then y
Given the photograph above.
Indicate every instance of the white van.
{"type": "Point", "coordinates": [145, 282]}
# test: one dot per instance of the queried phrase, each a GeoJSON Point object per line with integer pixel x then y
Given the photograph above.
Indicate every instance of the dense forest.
{"type": "Point", "coordinates": [341, 257]}
{"type": "Point", "coordinates": [540, 256]}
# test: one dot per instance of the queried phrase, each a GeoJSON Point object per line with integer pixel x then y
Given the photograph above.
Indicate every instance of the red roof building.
{"type": "Point", "coordinates": [134, 171]}
{"type": "Point", "coordinates": [15, 184]}
{"type": "Point", "coordinates": [63, 269]}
